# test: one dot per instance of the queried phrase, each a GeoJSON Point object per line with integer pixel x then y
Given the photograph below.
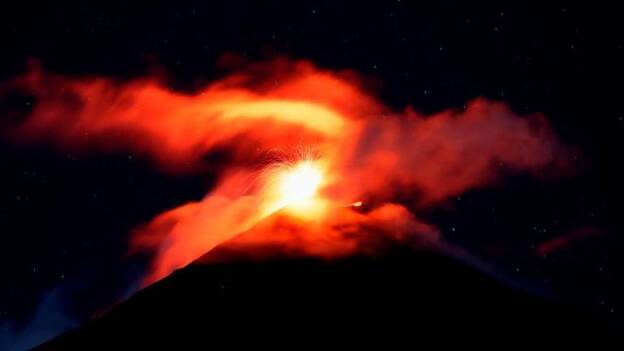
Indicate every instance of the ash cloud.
{"type": "Point", "coordinates": [397, 162]}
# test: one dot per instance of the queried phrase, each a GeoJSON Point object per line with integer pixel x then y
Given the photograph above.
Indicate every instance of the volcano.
{"type": "Point", "coordinates": [273, 297]}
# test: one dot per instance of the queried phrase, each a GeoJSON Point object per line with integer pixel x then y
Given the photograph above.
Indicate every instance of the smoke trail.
{"type": "Point", "coordinates": [393, 163]}
{"type": "Point", "coordinates": [49, 320]}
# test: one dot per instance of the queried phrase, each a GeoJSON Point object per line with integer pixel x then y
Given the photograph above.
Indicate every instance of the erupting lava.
{"type": "Point", "coordinates": [298, 188]}
{"type": "Point", "coordinates": [399, 161]}
{"type": "Point", "coordinates": [300, 183]}
{"type": "Point", "coordinates": [294, 188]}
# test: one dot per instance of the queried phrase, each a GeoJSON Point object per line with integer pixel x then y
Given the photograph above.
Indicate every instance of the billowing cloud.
{"type": "Point", "coordinates": [264, 121]}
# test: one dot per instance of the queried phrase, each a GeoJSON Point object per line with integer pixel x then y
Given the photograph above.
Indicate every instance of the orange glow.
{"type": "Point", "coordinates": [300, 183]}
{"type": "Point", "coordinates": [249, 128]}
{"type": "Point", "coordinates": [294, 186]}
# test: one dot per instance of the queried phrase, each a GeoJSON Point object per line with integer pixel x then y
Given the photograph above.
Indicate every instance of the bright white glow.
{"type": "Point", "coordinates": [300, 183]}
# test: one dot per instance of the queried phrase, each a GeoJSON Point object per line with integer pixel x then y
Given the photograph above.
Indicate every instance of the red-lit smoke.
{"type": "Point", "coordinates": [265, 119]}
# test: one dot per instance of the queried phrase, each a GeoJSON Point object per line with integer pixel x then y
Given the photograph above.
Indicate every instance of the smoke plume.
{"type": "Point", "coordinates": [373, 167]}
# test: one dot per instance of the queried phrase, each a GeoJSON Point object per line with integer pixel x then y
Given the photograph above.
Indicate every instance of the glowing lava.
{"type": "Point", "coordinates": [299, 184]}
{"type": "Point", "coordinates": [294, 187]}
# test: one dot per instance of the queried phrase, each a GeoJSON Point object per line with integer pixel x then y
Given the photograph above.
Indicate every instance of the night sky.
{"type": "Point", "coordinates": [65, 216]}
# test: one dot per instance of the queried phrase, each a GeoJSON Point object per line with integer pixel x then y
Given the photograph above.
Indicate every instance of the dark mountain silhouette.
{"type": "Point", "coordinates": [402, 296]}
{"type": "Point", "coordinates": [269, 293]}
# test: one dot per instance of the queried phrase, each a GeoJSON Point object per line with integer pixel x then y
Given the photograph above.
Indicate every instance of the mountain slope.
{"type": "Point", "coordinates": [401, 296]}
